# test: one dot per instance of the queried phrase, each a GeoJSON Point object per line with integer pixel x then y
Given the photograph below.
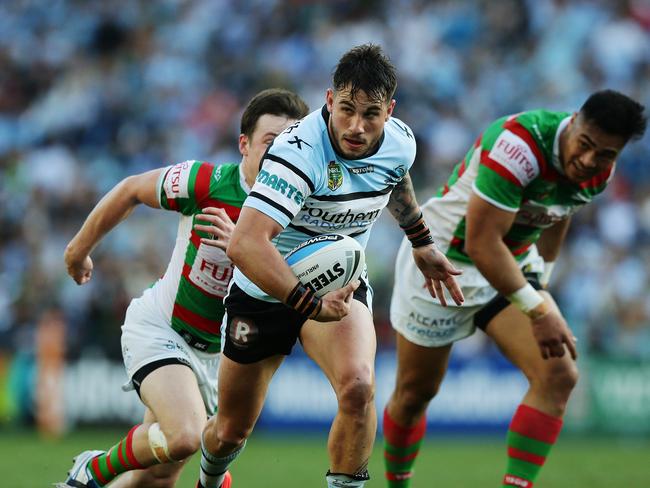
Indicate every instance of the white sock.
{"type": "Point", "coordinates": [213, 468]}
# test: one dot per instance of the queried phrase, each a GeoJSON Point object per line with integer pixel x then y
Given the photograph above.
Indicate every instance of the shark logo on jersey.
{"type": "Point", "coordinates": [396, 175]}
{"type": "Point", "coordinates": [334, 175]}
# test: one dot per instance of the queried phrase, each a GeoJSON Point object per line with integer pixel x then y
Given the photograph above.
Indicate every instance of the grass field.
{"type": "Point", "coordinates": [297, 462]}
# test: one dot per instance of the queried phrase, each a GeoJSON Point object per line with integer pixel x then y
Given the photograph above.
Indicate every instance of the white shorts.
{"type": "Point", "coordinates": [422, 320]}
{"type": "Point", "coordinates": [146, 339]}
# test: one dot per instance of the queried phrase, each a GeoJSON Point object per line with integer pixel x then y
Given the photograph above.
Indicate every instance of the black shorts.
{"type": "Point", "coordinates": [483, 317]}
{"type": "Point", "coordinates": [257, 329]}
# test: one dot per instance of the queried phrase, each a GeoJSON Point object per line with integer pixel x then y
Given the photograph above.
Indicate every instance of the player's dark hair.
{"type": "Point", "coordinates": [273, 101]}
{"type": "Point", "coordinates": [366, 68]}
{"type": "Point", "coordinates": [615, 113]}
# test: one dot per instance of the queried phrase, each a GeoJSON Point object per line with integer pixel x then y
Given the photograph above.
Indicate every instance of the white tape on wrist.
{"type": "Point", "coordinates": [546, 274]}
{"type": "Point", "coordinates": [526, 298]}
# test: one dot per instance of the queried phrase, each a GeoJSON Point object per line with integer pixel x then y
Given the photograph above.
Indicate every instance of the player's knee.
{"type": "Point", "coordinates": [174, 445]}
{"type": "Point", "coordinates": [231, 435]}
{"type": "Point", "coordinates": [557, 380]}
{"type": "Point", "coordinates": [184, 442]}
{"type": "Point", "coordinates": [356, 394]}
{"type": "Point", "coordinates": [414, 398]}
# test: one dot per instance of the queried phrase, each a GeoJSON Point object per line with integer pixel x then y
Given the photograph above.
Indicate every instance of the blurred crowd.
{"type": "Point", "coordinates": [93, 91]}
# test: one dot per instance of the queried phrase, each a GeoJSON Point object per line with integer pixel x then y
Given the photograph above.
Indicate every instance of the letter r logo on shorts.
{"type": "Point", "coordinates": [242, 331]}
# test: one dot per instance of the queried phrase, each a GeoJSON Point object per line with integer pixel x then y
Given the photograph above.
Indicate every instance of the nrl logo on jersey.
{"type": "Point", "coordinates": [334, 175]}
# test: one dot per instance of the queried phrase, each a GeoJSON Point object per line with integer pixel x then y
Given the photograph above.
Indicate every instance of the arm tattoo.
{"type": "Point", "coordinates": [402, 203]}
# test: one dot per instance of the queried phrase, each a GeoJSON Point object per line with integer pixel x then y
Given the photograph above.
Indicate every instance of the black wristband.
{"type": "Point", "coordinates": [304, 301]}
{"type": "Point", "coordinates": [418, 233]}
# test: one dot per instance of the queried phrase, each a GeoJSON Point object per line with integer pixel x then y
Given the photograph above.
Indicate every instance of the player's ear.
{"type": "Point", "coordinates": [243, 145]}
{"type": "Point", "coordinates": [391, 107]}
{"type": "Point", "coordinates": [329, 99]}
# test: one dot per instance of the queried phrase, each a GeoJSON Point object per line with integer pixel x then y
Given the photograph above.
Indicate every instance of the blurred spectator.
{"type": "Point", "coordinates": [90, 94]}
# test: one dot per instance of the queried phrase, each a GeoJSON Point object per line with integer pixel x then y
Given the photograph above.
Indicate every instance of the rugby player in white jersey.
{"type": "Point", "coordinates": [334, 171]}
{"type": "Point", "coordinates": [171, 336]}
{"type": "Point", "coordinates": [502, 214]}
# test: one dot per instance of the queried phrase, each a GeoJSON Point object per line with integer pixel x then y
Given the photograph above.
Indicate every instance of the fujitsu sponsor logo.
{"type": "Point", "coordinates": [512, 152]}
{"type": "Point", "coordinates": [175, 176]}
{"type": "Point", "coordinates": [176, 181]}
{"type": "Point", "coordinates": [517, 154]}
{"type": "Point", "coordinates": [516, 481]}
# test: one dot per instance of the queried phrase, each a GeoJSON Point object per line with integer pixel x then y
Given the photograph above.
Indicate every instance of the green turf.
{"type": "Point", "coordinates": [28, 461]}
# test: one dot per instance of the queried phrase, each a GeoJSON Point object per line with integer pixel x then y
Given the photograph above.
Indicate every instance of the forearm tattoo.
{"type": "Point", "coordinates": [403, 204]}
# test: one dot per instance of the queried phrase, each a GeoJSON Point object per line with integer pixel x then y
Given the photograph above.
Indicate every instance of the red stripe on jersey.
{"type": "Point", "coordinates": [529, 457]}
{"type": "Point", "coordinates": [498, 168]}
{"type": "Point", "coordinates": [172, 204]}
{"type": "Point", "coordinates": [517, 250]}
{"type": "Point", "coordinates": [232, 211]}
{"type": "Point", "coordinates": [445, 189]}
{"type": "Point", "coordinates": [461, 168]}
{"type": "Point", "coordinates": [537, 425]}
{"type": "Point", "coordinates": [598, 179]}
{"type": "Point", "coordinates": [196, 321]}
{"type": "Point", "coordinates": [195, 239]}
{"type": "Point", "coordinates": [202, 182]}
{"type": "Point", "coordinates": [519, 130]}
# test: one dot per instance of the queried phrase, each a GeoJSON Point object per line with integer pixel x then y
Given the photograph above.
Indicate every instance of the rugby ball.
{"type": "Point", "coordinates": [327, 262]}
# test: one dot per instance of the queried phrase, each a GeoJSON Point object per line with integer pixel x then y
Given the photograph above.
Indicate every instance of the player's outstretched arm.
{"type": "Point", "coordinates": [252, 251]}
{"type": "Point", "coordinates": [433, 264]}
{"type": "Point", "coordinates": [114, 207]}
{"type": "Point", "coordinates": [486, 227]}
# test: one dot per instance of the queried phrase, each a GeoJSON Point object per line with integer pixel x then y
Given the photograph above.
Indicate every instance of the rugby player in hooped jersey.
{"type": "Point", "coordinates": [171, 334]}
{"type": "Point", "coordinates": [332, 172]}
{"type": "Point", "coordinates": [502, 217]}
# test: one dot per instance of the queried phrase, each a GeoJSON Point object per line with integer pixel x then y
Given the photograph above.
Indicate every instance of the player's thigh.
{"type": "Point", "coordinates": [512, 332]}
{"type": "Point", "coordinates": [242, 389]}
{"type": "Point", "coordinates": [343, 348]}
{"type": "Point", "coordinates": [420, 369]}
{"type": "Point", "coordinates": [172, 394]}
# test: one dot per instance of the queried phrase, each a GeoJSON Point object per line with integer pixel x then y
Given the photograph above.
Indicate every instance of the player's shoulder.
{"type": "Point", "coordinates": [399, 136]}
{"type": "Point", "coordinates": [306, 133]}
{"type": "Point", "coordinates": [301, 145]}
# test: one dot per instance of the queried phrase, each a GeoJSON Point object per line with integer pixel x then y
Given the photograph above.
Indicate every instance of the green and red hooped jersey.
{"type": "Point", "coordinates": [192, 290]}
{"type": "Point", "coordinates": [514, 165]}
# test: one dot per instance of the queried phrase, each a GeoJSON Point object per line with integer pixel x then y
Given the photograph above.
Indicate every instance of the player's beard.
{"type": "Point", "coordinates": [335, 137]}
